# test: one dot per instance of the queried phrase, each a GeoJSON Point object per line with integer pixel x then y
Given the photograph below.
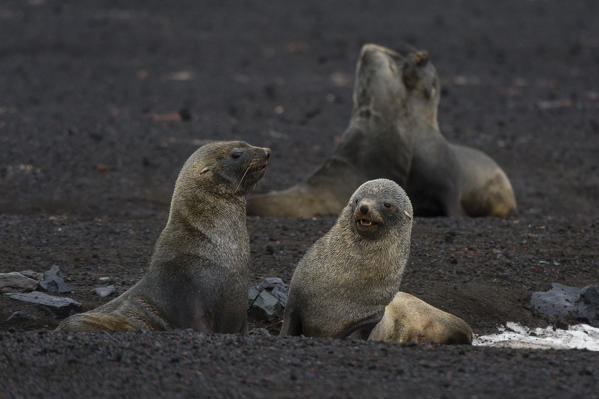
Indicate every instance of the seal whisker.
{"type": "Point", "coordinates": [242, 177]}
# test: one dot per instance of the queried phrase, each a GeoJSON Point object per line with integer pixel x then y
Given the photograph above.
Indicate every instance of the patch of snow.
{"type": "Point", "coordinates": [514, 335]}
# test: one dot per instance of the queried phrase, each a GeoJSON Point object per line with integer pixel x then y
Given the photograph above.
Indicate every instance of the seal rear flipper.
{"type": "Point", "coordinates": [91, 321]}
{"type": "Point", "coordinates": [301, 200]}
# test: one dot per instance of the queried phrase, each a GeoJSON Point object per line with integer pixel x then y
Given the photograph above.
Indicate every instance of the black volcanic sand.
{"type": "Point", "coordinates": [101, 102]}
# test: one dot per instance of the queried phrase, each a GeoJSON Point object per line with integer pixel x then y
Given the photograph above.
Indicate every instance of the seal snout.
{"type": "Point", "coordinates": [366, 217]}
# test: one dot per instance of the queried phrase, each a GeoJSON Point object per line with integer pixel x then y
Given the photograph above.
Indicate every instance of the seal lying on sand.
{"type": "Point", "coordinates": [447, 179]}
{"type": "Point", "coordinates": [199, 269]}
{"type": "Point", "coordinates": [375, 145]}
{"type": "Point", "coordinates": [342, 284]}
{"type": "Point", "coordinates": [409, 319]}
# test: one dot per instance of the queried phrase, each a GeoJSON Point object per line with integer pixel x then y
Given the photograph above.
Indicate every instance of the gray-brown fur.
{"type": "Point", "coordinates": [409, 319]}
{"type": "Point", "coordinates": [342, 284]}
{"type": "Point", "coordinates": [446, 179]}
{"type": "Point", "coordinates": [199, 268]}
{"type": "Point", "coordinates": [376, 144]}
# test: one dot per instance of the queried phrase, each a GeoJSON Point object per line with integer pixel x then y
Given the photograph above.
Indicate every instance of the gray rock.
{"type": "Point", "coordinates": [105, 291]}
{"type": "Point", "coordinates": [16, 282]}
{"type": "Point", "coordinates": [566, 304]}
{"type": "Point", "coordinates": [52, 281]}
{"type": "Point", "coordinates": [266, 307]}
{"type": "Point", "coordinates": [60, 306]}
{"type": "Point", "coordinates": [32, 274]}
{"type": "Point", "coordinates": [252, 295]}
{"type": "Point", "coordinates": [276, 287]}
{"type": "Point", "coordinates": [267, 300]}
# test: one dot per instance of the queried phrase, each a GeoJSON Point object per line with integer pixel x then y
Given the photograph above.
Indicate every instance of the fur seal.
{"type": "Point", "coordinates": [342, 284]}
{"type": "Point", "coordinates": [375, 145]}
{"type": "Point", "coordinates": [409, 319]}
{"type": "Point", "coordinates": [446, 179]}
{"type": "Point", "coordinates": [199, 268]}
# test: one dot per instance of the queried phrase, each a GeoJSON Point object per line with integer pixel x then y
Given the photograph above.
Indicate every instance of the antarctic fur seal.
{"type": "Point", "coordinates": [409, 319]}
{"type": "Point", "coordinates": [447, 179]}
{"type": "Point", "coordinates": [199, 268]}
{"type": "Point", "coordinates": [375, 145]}
{"type": "Point", "coordinates": [342, 284]}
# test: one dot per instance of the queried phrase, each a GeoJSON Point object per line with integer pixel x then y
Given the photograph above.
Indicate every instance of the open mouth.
{"type": "Point", "coordinates": [365, 222]}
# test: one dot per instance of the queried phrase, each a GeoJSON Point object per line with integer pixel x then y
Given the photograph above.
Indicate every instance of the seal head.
{"type": "Point", "coordinates": [378, 208]}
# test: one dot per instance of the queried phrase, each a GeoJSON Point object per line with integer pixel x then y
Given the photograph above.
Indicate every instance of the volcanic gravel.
{"type": "Point", "coordinates": [101, 102]}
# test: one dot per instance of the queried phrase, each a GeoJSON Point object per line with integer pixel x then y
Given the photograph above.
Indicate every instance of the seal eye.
{"type": "Point", "coordinates": [236, 154]}
{"type": "Point", "coordinates": [387, 205]}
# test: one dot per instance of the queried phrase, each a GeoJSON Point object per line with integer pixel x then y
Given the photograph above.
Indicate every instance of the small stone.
{"type": "Point", "coordinates": [104, 279]}
{"type": "Point", "coordinates": [269, 249]}
{"type": "Point", "coordinates": [105, 291]}
{"type": "Point", "coordinates": [20, 315]}
{"type": "Point", "coordinates": [32, 274]}
{"type": "Point", "coordinates": [277, 288]}
{"type": "Point", "coordinates": [566, 303]}
{"type": "Point", "coordinates": [266, 307]}
{"type": "Point", "coordinates": [16, 282]}
{"type": "Point", "coordinates": [53, 282]}
{"type": "Point", "coordinates": [61, 306]}
{"type": "Point", "coordinates": [252, 295]}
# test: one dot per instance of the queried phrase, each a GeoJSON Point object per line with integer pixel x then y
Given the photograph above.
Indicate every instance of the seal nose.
{"type": "Point", "coordinates": [267, 153]}
{"type": "Point", "coordinates": [364, 209]}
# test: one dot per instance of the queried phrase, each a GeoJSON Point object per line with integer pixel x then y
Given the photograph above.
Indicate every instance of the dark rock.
{"type": "Point", "coordinates": [265, 308]}
{"type": "Point", "coordinates": [252, 295]}
{"type": "Point", "coordinates": [16, 282]}
{"type": "Point", "coordinates": [276, 287]}
{"type": "Point", "coordinates": [566, 304]}
{"type": "Point", "coordinates": [267, 300]}
{"type": "Point", "coordinates": [53, 282]}
{"type": "Point", "coordinates": [105, 291]}
{"type": "Point", "coordinates": [60, 306]}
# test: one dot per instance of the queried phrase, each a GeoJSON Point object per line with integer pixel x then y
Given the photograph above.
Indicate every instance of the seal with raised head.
{"type": "Point", "coordinates": [342, 284]}
{"type": "Point", "coordinates": [375, 145]}
{"type": "Point", "coordinates": [199, 268]}
{"type": "Point", "coordinates": [447, 179]}
{"type": "Point", "coordinates": [409, 319]}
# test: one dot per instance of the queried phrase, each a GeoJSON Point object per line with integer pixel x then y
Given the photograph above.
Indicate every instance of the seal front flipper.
{"type": "Point", "coordinates": [363, 329]}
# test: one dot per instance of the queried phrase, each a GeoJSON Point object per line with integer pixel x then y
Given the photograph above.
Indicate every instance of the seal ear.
{"type": "Point", "coordinates": [414, 61]}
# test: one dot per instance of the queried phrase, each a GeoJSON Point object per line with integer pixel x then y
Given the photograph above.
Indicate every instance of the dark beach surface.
{"type": "Point", "coordinates": [101, 102]}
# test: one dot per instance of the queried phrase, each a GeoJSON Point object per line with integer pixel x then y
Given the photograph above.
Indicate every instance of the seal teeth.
{"type": "Point", "coordinates": [365, 222]}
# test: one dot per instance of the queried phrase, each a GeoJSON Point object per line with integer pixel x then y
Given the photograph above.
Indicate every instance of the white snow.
{"type": "Point", "coordinates": [514, 335]}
